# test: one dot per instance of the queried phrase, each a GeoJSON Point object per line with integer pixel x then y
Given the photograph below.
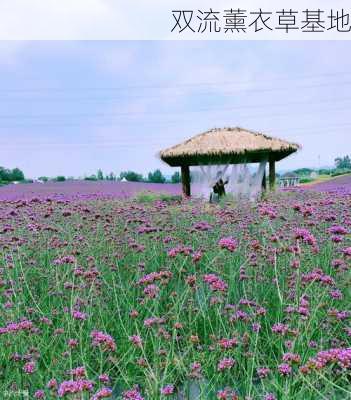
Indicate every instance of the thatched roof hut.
{"type": "Point", "coordinates": [227, 146]}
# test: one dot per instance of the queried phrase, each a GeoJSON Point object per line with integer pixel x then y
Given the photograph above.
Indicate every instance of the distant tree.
{"type": "Point", "coordinates": [111, 176]}
{"type": "Point", "coordinates": [343, 162]}
{"type": "Point", "coordinates": [11, 175]}
{"type": "Point", "coordinates": [60, 178]}
{"type": "Point", "coordinates": [90, 178]}
{"type": "Point", "coordinates": [100, 175]}
{"type": "Point", "coordinates": [131, 176]}
{"type": "Point", "coordinates": [156, 177]}
{"type": "Point", "coordinates": [175, 177]}
{"type": "Point", "coordinates": [43, 178]}
{"type": "Point", "coordinates": [17, 175]}
{"type": "Point", "coordinates": [303, 171]}
{"type": "Point", "coordinates": [5, 174]}
{"type": "Point", "coordinates": [324, 171]}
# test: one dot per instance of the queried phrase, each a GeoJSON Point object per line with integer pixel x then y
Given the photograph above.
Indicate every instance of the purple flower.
{"type": "Point", "coordinates": [337, 230]}
{"type": "Point", "coordinates": [39, 394]}
{"type": "Point", "coordinates": [336, 294]}
{"type": "Point", "coordinates": [228, 243]}
{"type": "Point", "coordinates": [270, 396]}
{"type": "Point", "coordinates": [136, 340]}
{"type": "Point", "coordinates": [339, 356]}
{"type": "Point", "coordinates": [280, 328]}
{"type": "Point", "coordinates": [102, 394]}
{"type": "Point", "coordinates": [225, 363]}
{"type": "Point", "coordinates": [104, 340]}
{"type": "Point", "coordinates": [77, 386]}
{"type": "Point", "coordinates": [29, 367]}
{"type": "Point", "coordinates": [167, 390]}
{"type": "Point", "coordinates": [306, 236]}
{"type": "Point", "coordinates": [216, 284]}
{"type": "Point", "coordinates": [79, 315]}
{"type": "Point", "coordinates": [256, 327]}
{"type": "Point", "coordinates": [132, 394]}
{"type": "Point", "coordinates": [263, 372]}
{"type": "Point", "coordinates": [284, 369]}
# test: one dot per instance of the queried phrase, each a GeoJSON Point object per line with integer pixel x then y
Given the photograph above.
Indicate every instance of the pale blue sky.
{"type": "Point", "coordinates": [73, 107]}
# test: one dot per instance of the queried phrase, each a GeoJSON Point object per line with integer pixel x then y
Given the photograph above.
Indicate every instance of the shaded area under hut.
{"type": "Point", "coordinates": [215, 150]}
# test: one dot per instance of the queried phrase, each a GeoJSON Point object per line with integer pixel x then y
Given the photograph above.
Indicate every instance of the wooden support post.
{"type": "Point", "coordinates": [264, 184]}
{"type": "Point", "coordinates": [185, 180]}
{"type": "Point", "coordinates": [271, 174]}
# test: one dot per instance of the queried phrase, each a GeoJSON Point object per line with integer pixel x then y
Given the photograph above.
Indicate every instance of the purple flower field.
{"type": "Point", "coordinates": [83, 190]}
{"type": "Point", "coordinates": [106, 296]}
{"type": "Point", "coordinates": [341, 184]}
{"type": "Point", "coordinates": [92, 190]}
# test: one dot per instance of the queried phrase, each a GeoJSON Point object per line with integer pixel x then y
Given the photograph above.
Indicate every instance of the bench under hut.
{"type": "Point", "coordinates": [227, 146]}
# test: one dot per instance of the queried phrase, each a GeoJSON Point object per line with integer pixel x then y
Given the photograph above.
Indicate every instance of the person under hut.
{"type": "Point", "coordinates": [218, 189]}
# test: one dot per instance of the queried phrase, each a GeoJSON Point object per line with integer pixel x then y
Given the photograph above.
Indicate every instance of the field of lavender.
{"type": "Point", "coordinates": [83, 190]}
{"type": "Point", "coordinates": [110, 297]}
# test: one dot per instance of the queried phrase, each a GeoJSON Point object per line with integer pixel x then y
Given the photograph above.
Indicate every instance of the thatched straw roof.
{"type": "Point", "coordinates": [227, 145]}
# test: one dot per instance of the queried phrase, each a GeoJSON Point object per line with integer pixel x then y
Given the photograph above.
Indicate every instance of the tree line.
{"type": "Point", "coordinates": [16, 175]}
{"type": "Point", "coordinates": [132, 176]}
{"type": "Point", "coordinates": [342, 166]}
{"type": "Point", "coordinates": [11, 175]}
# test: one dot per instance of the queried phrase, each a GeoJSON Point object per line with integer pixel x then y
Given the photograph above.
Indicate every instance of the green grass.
{"type": "Point", "coordinates": [150, 197]}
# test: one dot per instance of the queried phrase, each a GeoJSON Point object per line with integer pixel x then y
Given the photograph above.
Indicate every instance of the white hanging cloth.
{"type": "Point", "coordinates": [243, 182]}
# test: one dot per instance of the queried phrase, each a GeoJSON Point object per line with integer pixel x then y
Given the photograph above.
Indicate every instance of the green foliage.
{"type": "Point", "coordinates": [43, 178]}
{"type": "Point", "coordinates": [17, 175]}
{"type": "Point", "coordinates": [5, 174]}
{"type": "Point", "coordinates": [156, 177]}
{"type": "Point", "coordinates": [324, 171]}
{"type": "Point", "coordinates": [100, 175]}
{"type": "Point", "coordinates": [343, 162]}
{"type": "Point", "coordinates": [303, 171]}
{"type": "Point", "coordinates": [227, 200]}
{"type": "Point", "coordinates": [90, 178]}
{"type": "Point", "coordinates": [11, 175]}
{"type": "Point", "coordinates": [341, 171]}
{"type": "Point", "coordinates": [149, 197]}
{"type": "Point", "coordinates": [131, 176]}
{"type": "Point", "coordinates": [176, 177]}
{"type": "Point", "coordinates": [110, 177]}
{"type": "Point", "coordinates": [306, 180]}
{"type": "Point", "coordinates": [60, 178]}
